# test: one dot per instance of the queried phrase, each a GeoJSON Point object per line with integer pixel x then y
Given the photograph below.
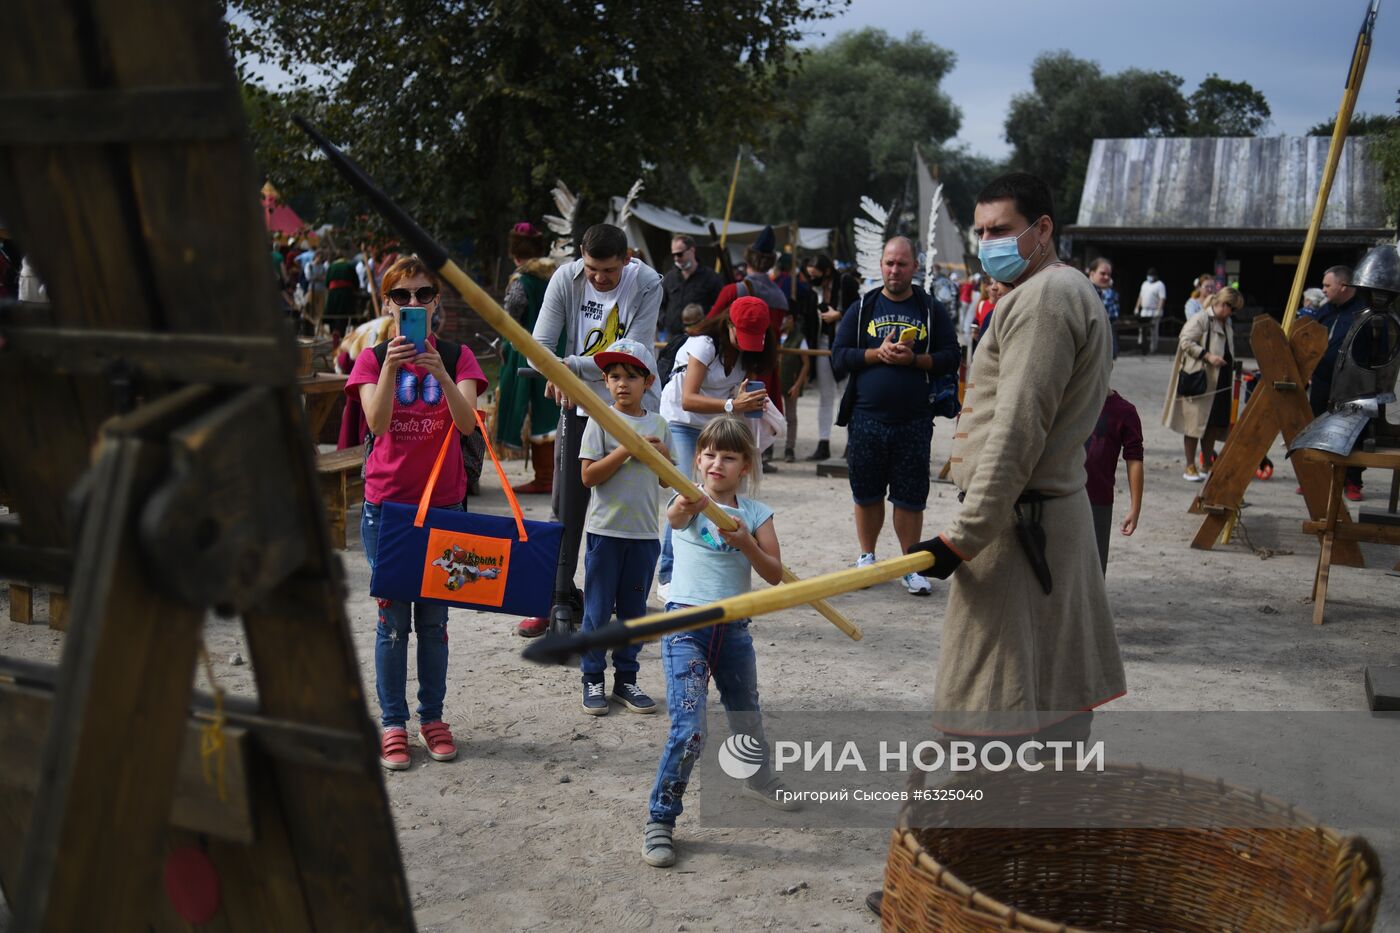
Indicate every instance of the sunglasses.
{"type": "Point", "coordinates": [402, 296]}
{"type": "Point", "coordinates": [679, 255]}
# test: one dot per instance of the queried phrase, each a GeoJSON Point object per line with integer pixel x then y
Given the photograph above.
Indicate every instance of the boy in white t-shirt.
{"type": "Point", "coordinates": [622, 526]}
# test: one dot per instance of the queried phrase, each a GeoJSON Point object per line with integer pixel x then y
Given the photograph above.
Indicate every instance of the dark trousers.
{"type": "Point", "coordinates": [569, 500]}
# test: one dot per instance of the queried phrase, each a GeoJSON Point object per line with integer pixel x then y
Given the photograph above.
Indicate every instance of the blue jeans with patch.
{"type": "Point", "coordinates": [690, 659]}
{"type": "Point", "coordinates": [683, 438]}
{"type": "Point", "coordinates": [391, 643]}
{"type": "Point", "coordinates": [616, 578]}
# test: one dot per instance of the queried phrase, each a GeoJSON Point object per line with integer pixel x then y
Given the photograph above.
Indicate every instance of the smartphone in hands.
{"type": "Point", "coordinates": [413, 326]}
{"type": "Point", "coordinates": [909, 335]}
{"type": "Point", "coordinates": [754, 385]}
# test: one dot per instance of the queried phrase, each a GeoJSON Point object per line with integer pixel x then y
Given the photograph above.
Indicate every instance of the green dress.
{"type": "Point", "coordinates": [344, 289]}
{"type": "Point", "coordinates": [516, 396]}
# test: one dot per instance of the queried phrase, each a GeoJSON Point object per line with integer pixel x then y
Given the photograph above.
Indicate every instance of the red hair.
{"type": "Point", "coordinates": [407, 267]}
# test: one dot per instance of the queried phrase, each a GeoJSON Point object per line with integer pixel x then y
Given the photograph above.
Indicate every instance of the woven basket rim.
{"type": "Point", "coordinates": [945, 877]}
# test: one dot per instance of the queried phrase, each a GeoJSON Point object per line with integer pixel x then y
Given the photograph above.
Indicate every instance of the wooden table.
{"type": "Point", "coordinates": [320, 391]}
{"type": "Point", "coordinates": [1332, 528]}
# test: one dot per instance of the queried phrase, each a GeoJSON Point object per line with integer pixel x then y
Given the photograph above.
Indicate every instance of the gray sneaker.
{"type": "Point", "coordinates": [658, 848]}
{"type": "Point", "coordinates": [772, 792]}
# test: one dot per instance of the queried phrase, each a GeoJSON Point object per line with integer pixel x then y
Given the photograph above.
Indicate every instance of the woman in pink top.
{"type": "Point", "coordinates": [411, 403]}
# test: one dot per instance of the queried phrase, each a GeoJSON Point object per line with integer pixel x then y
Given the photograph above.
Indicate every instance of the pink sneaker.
{"type": "Point", "coordinates": [437, 739]}
{"type": "Point", "coordinates": [393, 749]}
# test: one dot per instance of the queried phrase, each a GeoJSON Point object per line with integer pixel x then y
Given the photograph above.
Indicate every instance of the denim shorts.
{"type": "Point", "coordinates": [892, 457]}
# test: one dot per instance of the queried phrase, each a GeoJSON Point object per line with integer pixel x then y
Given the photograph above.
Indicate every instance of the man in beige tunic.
{"type": "Point", "coordinates": [1016, 659]}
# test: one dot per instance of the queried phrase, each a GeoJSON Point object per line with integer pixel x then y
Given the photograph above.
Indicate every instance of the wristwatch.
{"type": "Point", "coordinates": [729, 406]}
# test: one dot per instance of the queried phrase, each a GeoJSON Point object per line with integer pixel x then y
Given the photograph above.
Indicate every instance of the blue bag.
{"type": "Point", "coordinates": [492, 563]}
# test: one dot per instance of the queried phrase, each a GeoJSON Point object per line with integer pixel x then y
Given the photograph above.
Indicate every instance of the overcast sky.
{"type": "Point", "coordinates": [1294, 51]}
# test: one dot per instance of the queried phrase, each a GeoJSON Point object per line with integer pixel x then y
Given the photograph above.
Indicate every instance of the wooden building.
{"type": "Point", "coordinates": [1235, 207]}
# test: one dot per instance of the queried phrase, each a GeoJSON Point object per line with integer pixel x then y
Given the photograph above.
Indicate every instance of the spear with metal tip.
{"type": "Point", "coordinates": [559, 649]}
{"type": "Point", "coordinates": [435, 257]}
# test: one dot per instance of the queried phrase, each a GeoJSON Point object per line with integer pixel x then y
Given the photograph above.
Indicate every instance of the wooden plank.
{"type": "Point", "coordinates": [161, 355]}
{"type": "Point", "coordinates": [1329, 538]}
{"type": "Point", "coordinates": [99, 769]}
{"type": "Point", "coordinates": [30, 564]}
{"type": "Point", "coordinates": [1357, 531]}
{"type": "Point", "coordinates": [112, 116]}
{"type": "Point", "coordinates": [25, 714]}
{"type": "Point", "coordinates": [58, 610]}
{"type": "Point", "coordinates": [22, 603]}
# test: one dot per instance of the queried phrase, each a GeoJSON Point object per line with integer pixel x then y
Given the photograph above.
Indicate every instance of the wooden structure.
{"type": "Point", "coordinates": [1278, 406]}
{"type": "Point", "coordinates": [1237, 207]}
{"type": "Point", "coordinates": [1336, 529]}
{"type": "Point", "coordinates": [156, 451]}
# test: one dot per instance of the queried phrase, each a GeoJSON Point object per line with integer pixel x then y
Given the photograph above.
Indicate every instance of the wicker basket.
{"type": "Point", "coordinates": [1293, 876]}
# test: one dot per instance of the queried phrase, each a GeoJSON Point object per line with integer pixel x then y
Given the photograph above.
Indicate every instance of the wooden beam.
{"type": "Point", "coordinates": [168, 356]}
{"type": "Point", "coordinates": [25, 713]}
{"type": "Point", "coordinates": [119, 116]}
{"type": "Point", "coordinates": [111, 755]}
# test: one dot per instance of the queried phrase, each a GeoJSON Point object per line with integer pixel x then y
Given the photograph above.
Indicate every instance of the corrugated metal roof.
{"type": "Point", "coordinates": [1264, 182]}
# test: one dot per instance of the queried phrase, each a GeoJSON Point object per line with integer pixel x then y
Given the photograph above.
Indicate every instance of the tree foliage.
{"type": "Point", "coordinates": [469, 109]}
{"type": "Point", "coordinates": [1362, 124]}
{"type": "Point", "coordinates": [1227, 108]}
{"type": "Point", "coordinates": [1072, 102]}
{"type": "Point", "coordinates": [849, 121]}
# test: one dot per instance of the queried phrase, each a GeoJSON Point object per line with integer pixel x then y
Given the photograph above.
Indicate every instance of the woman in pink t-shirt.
{"type": "Point", "coordinates": [411, 404]}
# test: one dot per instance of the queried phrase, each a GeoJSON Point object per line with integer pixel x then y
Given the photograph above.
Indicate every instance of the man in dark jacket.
{"type": "Point", "coordinates": [687, 283]}
{"type": "Point", "coordinates": [1337, 314]}
{"type": "Point", "coordinates": [891, 425]}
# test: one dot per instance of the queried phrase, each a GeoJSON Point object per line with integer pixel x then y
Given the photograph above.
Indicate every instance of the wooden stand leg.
{"type": "Point", "coordinates": [21, 604]}
{"type": "Point", "coordinates": [58, 610]}
{"type": "Point", "coordinates": [1324, 554]}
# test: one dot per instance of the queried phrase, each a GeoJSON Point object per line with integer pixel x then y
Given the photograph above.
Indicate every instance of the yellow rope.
{"type": "Point", "coordinates": [212, 749]}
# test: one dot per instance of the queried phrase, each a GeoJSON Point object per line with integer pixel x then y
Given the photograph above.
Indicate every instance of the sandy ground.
{"type": "Point", "coordinates": [538, 824]}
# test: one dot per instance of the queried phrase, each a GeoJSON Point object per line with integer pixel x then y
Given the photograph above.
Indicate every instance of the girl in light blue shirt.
{"type": "Point", "coordinates": [713, 564]}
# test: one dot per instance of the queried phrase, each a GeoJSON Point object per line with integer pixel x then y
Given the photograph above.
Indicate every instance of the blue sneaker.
{"type": "Point", "coordinates": [595, 699]}
{"type": "Point", "coordinates": [633, 697]}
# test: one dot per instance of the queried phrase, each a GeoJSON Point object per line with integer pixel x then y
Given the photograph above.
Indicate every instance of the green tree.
{"type": "Point", "coordinates": [1071, 103]}
{"type": "Point", "coordinates": [1387, 152]}
{"type": "Point", "coordinates": [469, 109]}
{"type": "Point", "coordinates": [1227, 108]}
{"type": "Point", "coordinates": [848, 122]}
{"type": "Point", "coordinates": [1362, 124]}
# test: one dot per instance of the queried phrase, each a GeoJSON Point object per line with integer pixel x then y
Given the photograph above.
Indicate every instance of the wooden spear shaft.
{"type": "Point", "coordinates": [1359, 56]}
{"type": "Point", "coordinates": [560, 648]}
{"type": "Point", "coordinates": [553, 369]}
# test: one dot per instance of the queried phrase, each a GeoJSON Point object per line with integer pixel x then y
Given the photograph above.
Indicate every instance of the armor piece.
{"type": "Point", "coordinates": [1379, 269]}
{"type": "Point", "coordinates": [1337, 431]}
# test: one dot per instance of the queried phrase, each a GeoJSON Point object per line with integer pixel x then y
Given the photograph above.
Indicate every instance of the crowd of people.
{"type": "Point", "coordinates": [717, 402]}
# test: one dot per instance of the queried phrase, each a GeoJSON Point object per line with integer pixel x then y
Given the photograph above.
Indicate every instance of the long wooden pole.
{"type": "Point", "coordinates": [560, 648]}
{"type": "Point", "coordinates": [729, 207]}
{"type": "Point", "coordinates": [1355, 73]}
{"type": "Point", "coordinates": [553, 369]}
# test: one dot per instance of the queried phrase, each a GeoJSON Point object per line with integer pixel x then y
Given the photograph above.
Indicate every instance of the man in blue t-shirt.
{"type": "Point", "coordinates": [891, 424]}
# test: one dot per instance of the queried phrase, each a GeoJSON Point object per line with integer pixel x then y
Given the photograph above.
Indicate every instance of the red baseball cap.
{"type": "Point", "coordinates": [750, 318]}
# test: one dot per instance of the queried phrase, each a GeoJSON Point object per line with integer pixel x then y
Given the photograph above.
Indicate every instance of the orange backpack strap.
{"type": "Point", "coordinates": [437, 468]}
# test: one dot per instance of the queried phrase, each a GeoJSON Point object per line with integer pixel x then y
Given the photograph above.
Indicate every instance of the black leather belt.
{"type": "Point", "coordinates": [1031, 535]}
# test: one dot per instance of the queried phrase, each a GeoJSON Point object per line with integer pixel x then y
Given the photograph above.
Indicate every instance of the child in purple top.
{"type": "Point", "coordinates": [1118, 429]}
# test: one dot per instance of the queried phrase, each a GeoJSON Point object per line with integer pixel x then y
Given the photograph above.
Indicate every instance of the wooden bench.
{"type": "Point", "coordinates": [341, 486]}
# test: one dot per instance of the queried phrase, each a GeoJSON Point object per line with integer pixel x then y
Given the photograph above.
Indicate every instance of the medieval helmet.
{"type": "Point", "coordinates": [1380, 268]}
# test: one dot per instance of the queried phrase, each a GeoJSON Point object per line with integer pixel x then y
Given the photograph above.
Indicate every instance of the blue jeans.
{"type": "Point", "coordinates": [689, 660]}
{"type": "Point", "coordinates": [391, 643]}
{"type": "Point", "coordinates": [683, 438]}
{"type": "Point", "coordinates": [616, 574]}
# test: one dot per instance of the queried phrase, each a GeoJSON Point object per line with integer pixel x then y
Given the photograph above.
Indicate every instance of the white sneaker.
{"type": "Point", "coordinates": [663, 592]}
{"type": "Point", "coordinates": [865, 560]}
{"type": "Point", "coordinates": [917, 584]}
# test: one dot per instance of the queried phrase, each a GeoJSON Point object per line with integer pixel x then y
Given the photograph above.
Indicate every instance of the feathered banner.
{"type": "Point", "coordinates": [870, 242]}
{"type": "Point", "coordinates": [563, 223]}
